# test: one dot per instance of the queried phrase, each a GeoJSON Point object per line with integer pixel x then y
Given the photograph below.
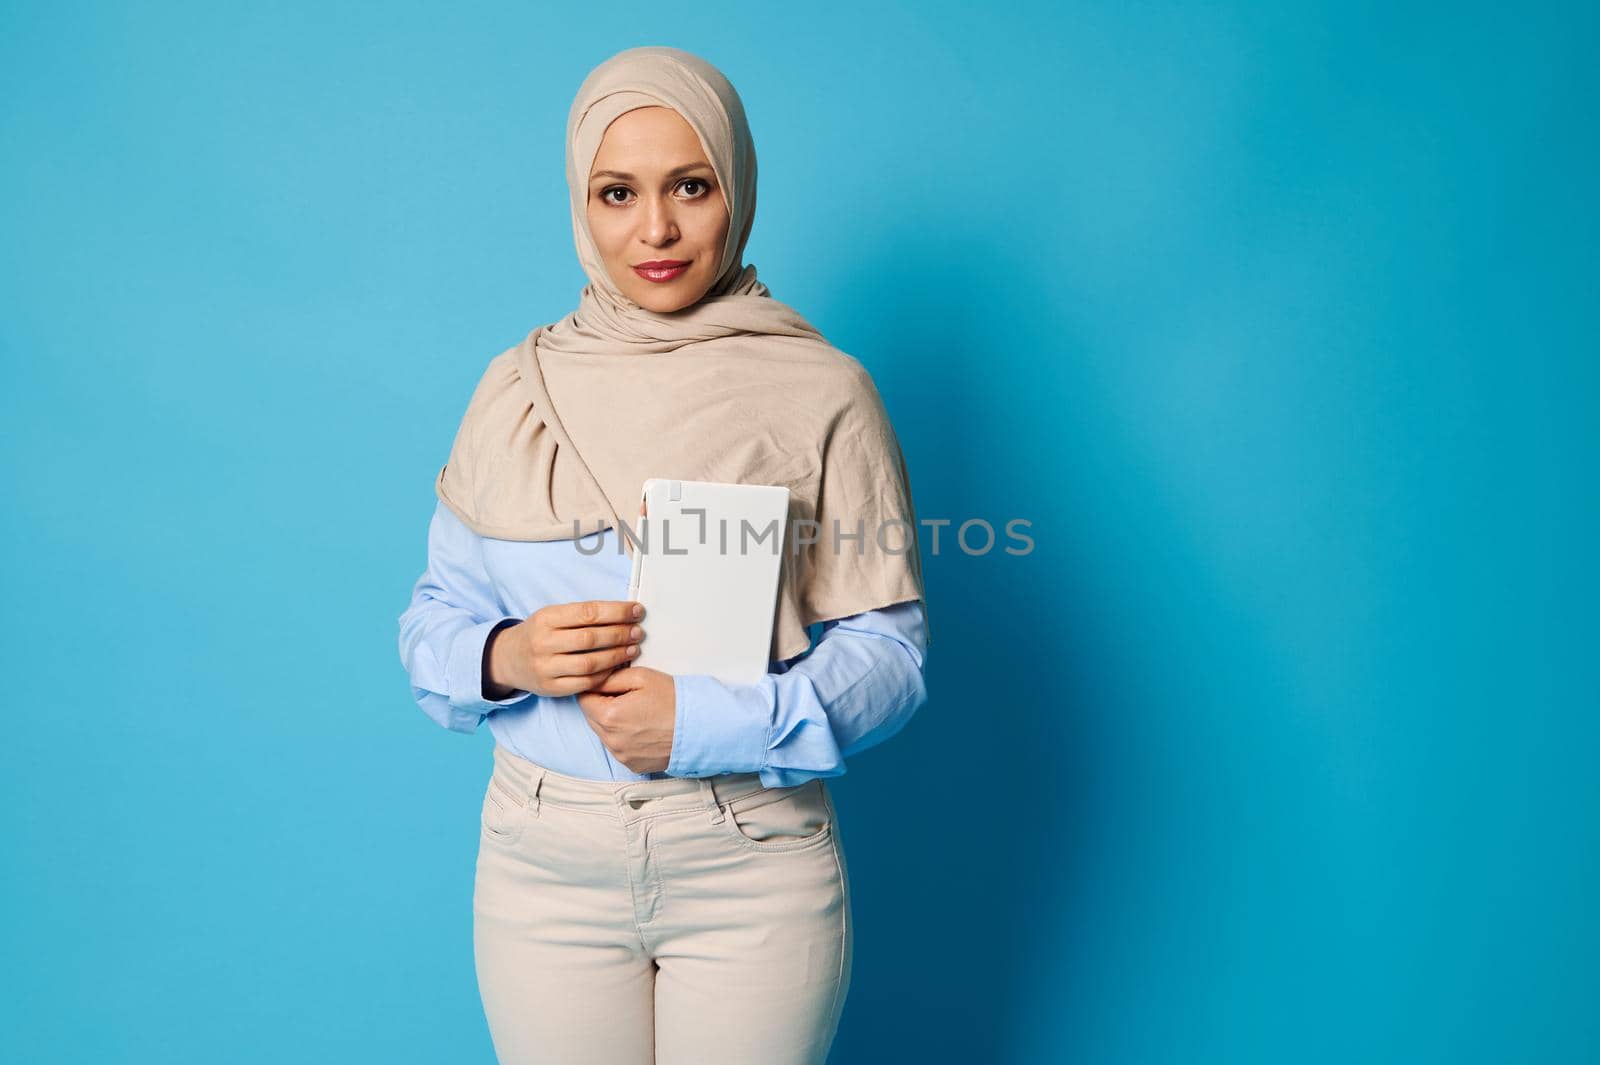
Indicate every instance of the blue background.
{"type": "Point", "coordinates": [1277, 322]}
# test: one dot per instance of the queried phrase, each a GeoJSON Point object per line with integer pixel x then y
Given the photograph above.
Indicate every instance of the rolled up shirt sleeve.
{"type": "Point", "coordinates": [856, 688]}
{"type": "Point", "coordinates": [443, 632]}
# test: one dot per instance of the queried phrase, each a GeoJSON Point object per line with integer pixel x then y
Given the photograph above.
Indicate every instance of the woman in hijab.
{"type": "Point", "coordinates": [661, 875]}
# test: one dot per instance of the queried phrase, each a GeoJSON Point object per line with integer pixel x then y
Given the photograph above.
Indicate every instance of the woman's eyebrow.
{"type": "Point", "coordinates": [684, 169]}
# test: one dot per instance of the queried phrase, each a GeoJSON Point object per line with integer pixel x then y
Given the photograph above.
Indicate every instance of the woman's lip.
{"type": "Point", "coordinates": [665, 271]}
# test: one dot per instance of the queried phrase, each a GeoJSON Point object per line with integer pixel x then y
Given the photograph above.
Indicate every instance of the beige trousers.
{"type": "Point", "coordinates": [660, 922]}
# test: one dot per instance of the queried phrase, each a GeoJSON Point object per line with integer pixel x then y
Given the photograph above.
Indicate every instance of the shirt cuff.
{"type": "Point", "coordinates": [719, 728]}
{"type": "Point", "coordinates": [464, 674]}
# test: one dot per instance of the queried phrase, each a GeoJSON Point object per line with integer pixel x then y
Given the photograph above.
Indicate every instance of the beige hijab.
{"type": "Point", "coordinates": [564, 428]}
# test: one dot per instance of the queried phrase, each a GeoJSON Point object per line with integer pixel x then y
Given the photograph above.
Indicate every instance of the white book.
{"type": "Point", "coordinates": [706, 569]}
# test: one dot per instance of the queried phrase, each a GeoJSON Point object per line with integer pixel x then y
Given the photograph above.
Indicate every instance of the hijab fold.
{"type": "Point", "coordinates": [565, 426]}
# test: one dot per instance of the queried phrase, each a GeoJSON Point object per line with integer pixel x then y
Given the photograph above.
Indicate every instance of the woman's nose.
{"type": "Point", "coordinates": [659, 224]}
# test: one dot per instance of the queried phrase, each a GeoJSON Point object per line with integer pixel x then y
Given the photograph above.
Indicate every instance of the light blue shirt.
{"type": "Point", "coordinates": [858, 685]}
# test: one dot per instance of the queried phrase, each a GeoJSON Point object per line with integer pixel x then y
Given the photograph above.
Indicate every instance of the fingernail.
{"type": "Point", "coordinates": [633, 649]}
{"type": "Point", "coordinates": [638, 610]}
{"type": "Point", "coordinates": [635, 633]}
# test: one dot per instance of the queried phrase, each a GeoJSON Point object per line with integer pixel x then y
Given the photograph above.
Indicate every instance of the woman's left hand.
{"type": "Point", "coordinates": [634, 711]}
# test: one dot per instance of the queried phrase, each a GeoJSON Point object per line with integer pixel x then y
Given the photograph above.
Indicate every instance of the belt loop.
{"type": "Point", "coordinates": [533, 793]}
{"type": "Point", "coordinates": [709, 790]}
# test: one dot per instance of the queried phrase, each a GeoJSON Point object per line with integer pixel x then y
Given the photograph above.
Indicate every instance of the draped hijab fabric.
{"type": "Point", "coordinates": [565, 426]}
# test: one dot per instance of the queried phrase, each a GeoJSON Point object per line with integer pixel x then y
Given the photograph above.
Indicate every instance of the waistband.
{"type": "Point", "coordinates": [534, 783]}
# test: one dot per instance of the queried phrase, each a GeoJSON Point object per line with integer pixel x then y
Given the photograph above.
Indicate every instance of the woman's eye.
{"type": "Point", "coordinates": [617, 195]}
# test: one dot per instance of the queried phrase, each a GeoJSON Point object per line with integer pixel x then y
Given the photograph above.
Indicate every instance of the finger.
{"type": "Point", "coordinates": [586, 663]}
{"type": "Point", "coordinates": [589, 638]}
{"type": "Point", "coordinates": [597, 695]}
{"type": "Point", "coordinates": [578, 686]}
{"type": "Point", "coordinates": [594, 612]}
{"type": "Point", "coordinates": [621, 680]}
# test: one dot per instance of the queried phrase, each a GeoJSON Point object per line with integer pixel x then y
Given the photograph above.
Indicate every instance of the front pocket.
{"type": "Point", "coordinates": [780, 819]}
{"type": "Point", "coordinates": [503, 813]}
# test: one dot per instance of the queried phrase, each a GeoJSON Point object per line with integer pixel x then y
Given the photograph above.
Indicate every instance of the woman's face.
{"type": "Point", "coordinates": [653, 198]}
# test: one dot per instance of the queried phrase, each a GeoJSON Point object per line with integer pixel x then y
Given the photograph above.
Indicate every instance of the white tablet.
{"type": "Point", "coordinates": [706, 568]}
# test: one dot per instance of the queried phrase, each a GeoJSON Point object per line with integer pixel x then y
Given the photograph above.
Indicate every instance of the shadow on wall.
{"type": "Point", "coordinates": [1029, 848]}
{"type": "Point", "coordinates": [961, 832]}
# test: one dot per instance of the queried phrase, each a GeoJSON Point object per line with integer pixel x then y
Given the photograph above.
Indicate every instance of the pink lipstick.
{"type": "Point", "coordinates": [661, 269]}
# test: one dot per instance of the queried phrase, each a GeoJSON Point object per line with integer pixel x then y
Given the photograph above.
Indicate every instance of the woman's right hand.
{"type": "Point", "coordinates": [562, 649]}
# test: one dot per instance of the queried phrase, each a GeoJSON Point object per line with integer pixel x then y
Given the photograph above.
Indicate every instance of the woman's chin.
{"type": "Point", "coordinates": [665, 300]}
